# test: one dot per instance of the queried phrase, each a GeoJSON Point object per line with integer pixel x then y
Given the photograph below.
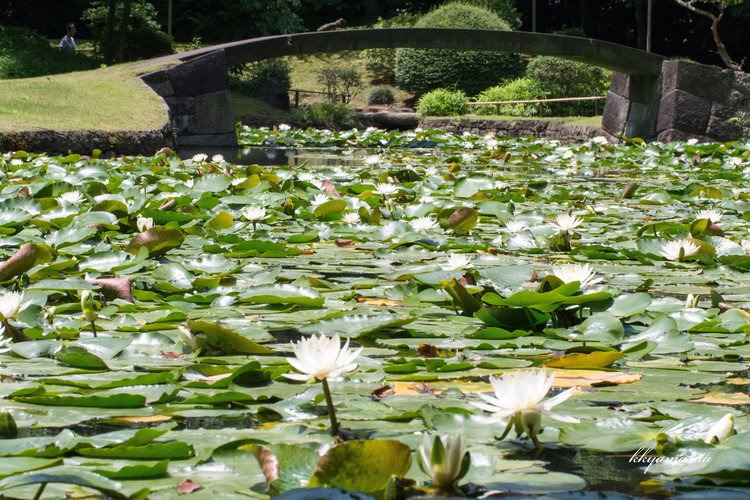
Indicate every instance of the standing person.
{"type": "Point", "coordinates": [68, 43]}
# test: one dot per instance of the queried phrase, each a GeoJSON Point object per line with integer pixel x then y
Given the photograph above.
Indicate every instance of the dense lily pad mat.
{"type": "Point", "coordinates": [434, 252]}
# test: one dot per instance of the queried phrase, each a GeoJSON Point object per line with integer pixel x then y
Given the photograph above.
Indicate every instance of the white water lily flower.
{"type": "Point", "coordinates": [144, 223]}
{"type": "Point", "coordinates": [691, 301]}
{"type": "Point", "coordinates": [516, 226]}
{"type": "Point", "coordinates": [599, 139]}
{"type": "Point", "coordinates": [712, 215]}
{"type": "Point", "coordinates": [721, 430]}
{"type": "Point", "coordinates": [200, 157]}
{"type": "Point", "coordinates": [678, 250]}
{"type": "Point", "coordinates": [583, 273]}
{"type": "Point", "coordinates": [745, 245]}
{"type": "Point", "coordinates": [319, 199]}
{"type": "Point", "coordinates": [253, 213]}
{"type": "Point", "coordinates": [423, 224]}
{"type": "Point", "coordinates": [320, 357]}
{"type": "Point", "coordinates": [306, 176]}
{"type": "Point", "coordinates": [457, 261]}
{"type": "Point", "coordinates": [519, 394]}
{"type": "Point", "coordinates": [284, 126]}
{"type": "Point", "coordinates": [10, 304]}
{"type": "Point", "coordinates": [567, 223]}
{"type": "Point", "coordinates": [70, 198]}
{"type": "Point", "coordinates": [217, 158]}
{"type": "Point", "coordinates": [372, 159]}
{"type": "Point", "coordinates": [444, 466]}
{"type": "Point", "coordinates": [351, 218]}
{"type": "Point", "coordinates": [386, 189]}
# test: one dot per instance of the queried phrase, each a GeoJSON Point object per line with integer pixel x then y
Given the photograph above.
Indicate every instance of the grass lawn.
{"type": "Point", "coordinates": [105, 99]}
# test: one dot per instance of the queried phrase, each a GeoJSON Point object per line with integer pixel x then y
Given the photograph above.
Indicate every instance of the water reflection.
{"type": "Point", "coordinates": [293, 157]}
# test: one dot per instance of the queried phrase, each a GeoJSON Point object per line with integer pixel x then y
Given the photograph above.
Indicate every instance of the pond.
{"type": "Point", "coordinates": [151, 305]}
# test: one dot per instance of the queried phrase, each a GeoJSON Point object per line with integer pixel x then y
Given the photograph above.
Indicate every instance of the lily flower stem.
{"type": "Point", "coordinates": [331, 411]}
{"type": "Point", "coordinates": [537, 445]}
{"type": "Point", "coordinates": [39, 491]}
{"type": "Point", "coordinates": [93, 328]}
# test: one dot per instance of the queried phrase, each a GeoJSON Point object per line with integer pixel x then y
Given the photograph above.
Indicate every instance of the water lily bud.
{"type": "Point", "coordinates": [531, 422]}
{"type": "Point", "coordinates": [8, 428]}
{"type": "Point", "coordinates": [89, 305]}
{"type": "Point", "coordinates": [691, 301]}
{"type": "Point", "coordinates": [444, 458]}
{"type": "Point", "coordinates": [187, 337]}
{"type": "Point", "coordinates": [721, 430]}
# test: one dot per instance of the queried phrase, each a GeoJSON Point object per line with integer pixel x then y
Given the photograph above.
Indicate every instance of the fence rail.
{"type": "Point", "coordinates": [297, 93]}
{"type": "Point", "coordinates": [497, 104]}
{"type": "Point", "coordinates": [595, 99]}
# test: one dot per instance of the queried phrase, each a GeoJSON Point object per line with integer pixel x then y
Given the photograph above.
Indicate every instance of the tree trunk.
{"type": "Point", "coordinates": [585, 15]}
{"type": "Point", "coordinates": [108, 42]}
{"type": "Point", "coordinates": [123, 35]}
{"type": "Point", "coordinates": [640, 25]}
{"type": "Point", "coordinates": [720, 45]}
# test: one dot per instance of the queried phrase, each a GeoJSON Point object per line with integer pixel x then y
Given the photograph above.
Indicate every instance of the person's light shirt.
{"type": "Point", "coordinates": [68, 44]}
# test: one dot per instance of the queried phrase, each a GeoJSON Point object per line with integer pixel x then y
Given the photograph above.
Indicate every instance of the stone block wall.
{"type": "Point", "coordinates": [702, 102]}
{"type": "Point", "coordinates": [197, 93]}
{"type": "Point", "coordinates": [632, 105]}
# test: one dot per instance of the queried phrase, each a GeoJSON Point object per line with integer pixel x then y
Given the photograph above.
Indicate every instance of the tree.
{"type": "Point", "coordinates": [721, 5]}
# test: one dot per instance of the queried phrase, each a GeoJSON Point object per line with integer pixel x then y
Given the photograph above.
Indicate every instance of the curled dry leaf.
{"type": "Point", "coordinates": [29, 255]}
{"type": "Point", "coordinates": [172, 355]}
{"type": "Point", "coordinates": [374, 301]}
{"type": "Point", "coordinates": [115, 288]}
{"type": "Point", "coordinates": [168, 205]}
{"type": "Point", "coordinates": [427, 351]}
{"type": "Point", "coordinates": [723, 398]}
{"type": "Point", "coordinates": [186, 486]}
{"type": "Point", "coordinates": [381, 392]}
{"type": "Point", "coordinates": [329, 188]}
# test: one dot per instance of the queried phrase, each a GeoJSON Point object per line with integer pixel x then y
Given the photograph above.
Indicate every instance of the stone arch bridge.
{"type": "Point", "coordinates": [649, 97]}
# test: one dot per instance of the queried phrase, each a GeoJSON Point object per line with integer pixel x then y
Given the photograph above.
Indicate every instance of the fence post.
{"type": "Point", "coordinates": [596, 107]}
{"type": "Point", "coordinates": [296, 98]}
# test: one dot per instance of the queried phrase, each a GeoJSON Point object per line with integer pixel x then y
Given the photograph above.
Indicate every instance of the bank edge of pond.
{"type": "Point", "coordinates": [110, 142]}
{"type": "Point", "coordinates": [548, 129]}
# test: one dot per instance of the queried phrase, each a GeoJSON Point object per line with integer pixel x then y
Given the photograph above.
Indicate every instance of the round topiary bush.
{"type": "Point", "coordinates": [564, 78]}
{"type": "Point", "coordinates": [442, 102]}
{"type": "Point", "coordinates": [520, 89]}
{"type": "Point", "coordinates": [422, 70]}
{"type": "Point", "coordinates": [381, 95]}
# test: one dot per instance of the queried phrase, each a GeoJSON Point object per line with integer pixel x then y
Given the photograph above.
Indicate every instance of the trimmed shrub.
{"type": "Point", "coordinates": [246, 78]}
{"type": "Point", "coordinates": [341, 83]}
{"type": "Point", "coordinates": [422, 70]}
{"type": "Point", "coordinates": [333, 115]}
{"type": "Point", "coordinates": [442, 102]}
{"type": "Point", "coordinates": [381, 63]}
{"type": "Point", "coordinates": [503, 8]}
{"type": "Point", "coordinates": [381, 95]}
{"type": "Point", "coordinates": [24, 54]}
{"type": "Point", "coordinates": [515, 90]}
{"type": "Point", "coordinates": [563, 78]}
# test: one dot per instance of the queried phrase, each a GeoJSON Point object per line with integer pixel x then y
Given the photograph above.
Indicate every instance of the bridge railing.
{"type": "Point", "coordinates": [497, 104]}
